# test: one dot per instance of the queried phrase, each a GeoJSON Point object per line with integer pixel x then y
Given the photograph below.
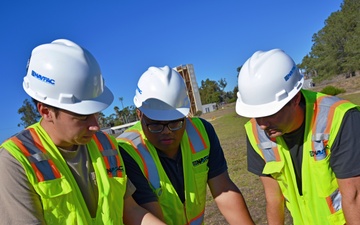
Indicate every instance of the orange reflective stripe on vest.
{"type": "Point", "coordinates": [109, 153]}
{"type": "Point", "coordinates": [198, 220]}
{"type": "Point", "coordinates": [139, 146]}
{"type": "Point", "coordinates": [29, 143]}
{"type": "Point", "coordinates": [268, 148]}
{"type": "Point", "coordinates": [322, 119]}
{"type": "Point", "coordinates": [196, 140]}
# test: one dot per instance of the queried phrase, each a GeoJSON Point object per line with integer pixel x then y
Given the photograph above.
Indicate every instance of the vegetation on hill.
{"type": "Point", "coordinates": [336, 47]}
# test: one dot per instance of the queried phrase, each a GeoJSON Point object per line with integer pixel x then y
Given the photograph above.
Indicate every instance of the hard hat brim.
{"type": "Point", "coordinates": [84, 107]}
{"type": "Point", "coordinates": [165, 115]}
{"type": "Point", "coordinates": [263, 110]}
{"type": "Point", "coordinates": [91, 106]}
{"type": "Point", "coordinates": [256, 111]}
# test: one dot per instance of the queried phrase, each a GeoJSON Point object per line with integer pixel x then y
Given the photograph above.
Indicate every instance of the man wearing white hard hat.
{"type": "Point", "coordinates": [63, 169]}
{"type": "Point", "coordinates": [303, 144]}
{"type": "Point", "coordinates": [171, 158]}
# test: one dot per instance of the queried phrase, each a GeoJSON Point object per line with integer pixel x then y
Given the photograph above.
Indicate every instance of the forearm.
{"type": "Point", "coordinates": [233, 207]}
{"type": "Point", "coordinates": [136, 215]}
{"type": "Point", "coordinates": [350, 199]}
{"type": "Point", "coordinates": [275, 204]}
{"type": "Point", "coordinates": [275, 213]}
{"type": "Point", "coordinates": [351, 209]}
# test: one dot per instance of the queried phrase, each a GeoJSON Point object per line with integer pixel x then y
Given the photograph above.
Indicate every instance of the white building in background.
{"type": "Point", "coordinates": [188, 73]}
{"type": "Point", "coordinates": [209, 108]}
{"type": "Point", "coordinates": [117, 130]}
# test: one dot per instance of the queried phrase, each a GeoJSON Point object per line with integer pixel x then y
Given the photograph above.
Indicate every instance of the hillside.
{"type": "Point", "coordinates": [351, 85]}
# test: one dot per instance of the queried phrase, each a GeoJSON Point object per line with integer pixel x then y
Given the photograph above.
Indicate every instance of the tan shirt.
{"type": "Point", "coordinates": [20, 204]}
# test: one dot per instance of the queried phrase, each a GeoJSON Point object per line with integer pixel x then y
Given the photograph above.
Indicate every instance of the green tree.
{"type": "Point", "coordinates": [222, 85]}
{"type": "Point", "coordinates": [210, 92]}
{"type": "Point", "coordinates": [336, 47]}
{"type": "Point", "coordinates": [29, 113]}
{"type": "Point", "coordinates": [119, 116]}
{"type": "Point", "coordinates": [132, 113]}
{"type": "Point", "coordinates": [102, 120]}
{"type": "Point", "coordinates": [234, 93]}
{"type": "Point", "coordinates": [238, 70]}
{"type": "Point", "coordinates": [351, 8]}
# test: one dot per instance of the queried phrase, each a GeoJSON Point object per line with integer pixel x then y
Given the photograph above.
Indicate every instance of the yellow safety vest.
{"type": "Point", "coordinates": [52, 179]}
{"type": "Point", "coordinates": [321, 199]}
{"type": "Point", "coordinates": [195, 148]}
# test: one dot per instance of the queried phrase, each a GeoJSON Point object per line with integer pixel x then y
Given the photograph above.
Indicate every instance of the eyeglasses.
{"type": "Point", "coordinates": [173, 125]}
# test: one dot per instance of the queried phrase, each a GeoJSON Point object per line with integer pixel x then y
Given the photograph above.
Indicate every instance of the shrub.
{"type": "Point", "coordinates": [198, 113]}
{"type": "Point", "coordinates": [331, 90]}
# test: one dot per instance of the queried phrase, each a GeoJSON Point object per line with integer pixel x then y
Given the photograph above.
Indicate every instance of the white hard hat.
{"type": "Point", "coordinates": [161, 94]}
{"type": "Point", "coordinates": [266, 82]}
{"type": "Point", "coordinates": [67, 76]}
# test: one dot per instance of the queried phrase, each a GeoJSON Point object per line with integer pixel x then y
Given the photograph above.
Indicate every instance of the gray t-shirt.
{"type": "Point", "coordinates": [20, 204]}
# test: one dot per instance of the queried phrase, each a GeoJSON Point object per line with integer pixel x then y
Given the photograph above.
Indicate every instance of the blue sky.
{"type": "Point", "coordinates": [126, 37]}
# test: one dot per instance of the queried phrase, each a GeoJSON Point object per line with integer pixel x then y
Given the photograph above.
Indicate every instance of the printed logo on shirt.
{"type": "Point", "coordinates": [114, 169]}
{"type": "Point", "coordinates": [319, 154]}
{"type": "Point", "coordinates": [200, 161]}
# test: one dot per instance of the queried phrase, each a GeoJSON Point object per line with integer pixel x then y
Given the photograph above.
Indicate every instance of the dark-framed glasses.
{"type": "Point", "coordinates": [158, 127]}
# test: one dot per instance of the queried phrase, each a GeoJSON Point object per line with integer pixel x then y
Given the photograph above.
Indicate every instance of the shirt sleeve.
{"type": "Point", "coordinates": [345, 152]}
{"type": "Point", "coordinates": [19, 203]}
{"type": "Point", "coordinates": [255, 163]}
{"type": "Point", "coordinates": [143, 193]}
{"type": "Point", "coordinates": [130, 189]}
{"type": "Point", "coordinates": [217, 162]}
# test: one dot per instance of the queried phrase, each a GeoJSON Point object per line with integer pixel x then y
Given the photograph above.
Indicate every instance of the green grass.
{"type": "Point", "coordinates": [355, 97]}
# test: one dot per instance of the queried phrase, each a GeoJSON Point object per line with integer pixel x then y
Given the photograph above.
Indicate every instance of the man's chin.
{"type": "Point", "coordinates": [84, 140]}
{"type": "Point", "coordinates": [274, 134]}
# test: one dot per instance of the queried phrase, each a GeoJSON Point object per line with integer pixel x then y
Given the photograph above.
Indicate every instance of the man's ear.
{"type": "Point", "coordinates": [138, 113]}
{"type": "Point", "coordinates": [44, 111]}
{"type": "Point", "coordinates": [297, 98]}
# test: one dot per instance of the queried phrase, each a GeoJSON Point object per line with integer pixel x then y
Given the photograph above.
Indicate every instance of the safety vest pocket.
{"type": "Point", "coordinates": [115, 200]}
{"type": "Point", "coordinates": [324, 178]}
{"type": "Point", "coordinates": [337, 218]}
{"type": "Point", "coordinates": [273, 167]}
{"type": "Point", "coordinates": [53, 188]}
{"type": "Point", "coordinates": [118, 185]}
{"type": "Point", "coordinates": [201, 183]}
{"type": "Point", "coordinates": [276, 170]}
{"type": "Point", "coordinates": [55, 196]}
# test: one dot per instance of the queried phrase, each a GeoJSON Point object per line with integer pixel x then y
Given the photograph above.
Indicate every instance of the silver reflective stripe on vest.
{"type": "Point", "coordinates": [335, 199]}
{"type": "Point", "coordinates": [110, 153]}
{"type": "Point", "coordinates": [153, 175]}
{"type": "Point", "coordinates": [195, 137]}
{"type": "Point", "coordinates": [36, 155]}
{"type": "Point", "coordinates": [319, 137]}
{"type": "Point", "coordinates": [266, 145]}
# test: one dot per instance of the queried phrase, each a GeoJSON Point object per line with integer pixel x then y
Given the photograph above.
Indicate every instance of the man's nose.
{"type": "Point", "coordinates": [263, 122]}
{"type": "Point", "coordinates": [93, 122]}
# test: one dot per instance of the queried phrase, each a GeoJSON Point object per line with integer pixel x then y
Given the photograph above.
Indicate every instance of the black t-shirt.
{"type": "Point", "coordinates": [174, 169]}
{"type": "Point", "coordinates": [345, 152]}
